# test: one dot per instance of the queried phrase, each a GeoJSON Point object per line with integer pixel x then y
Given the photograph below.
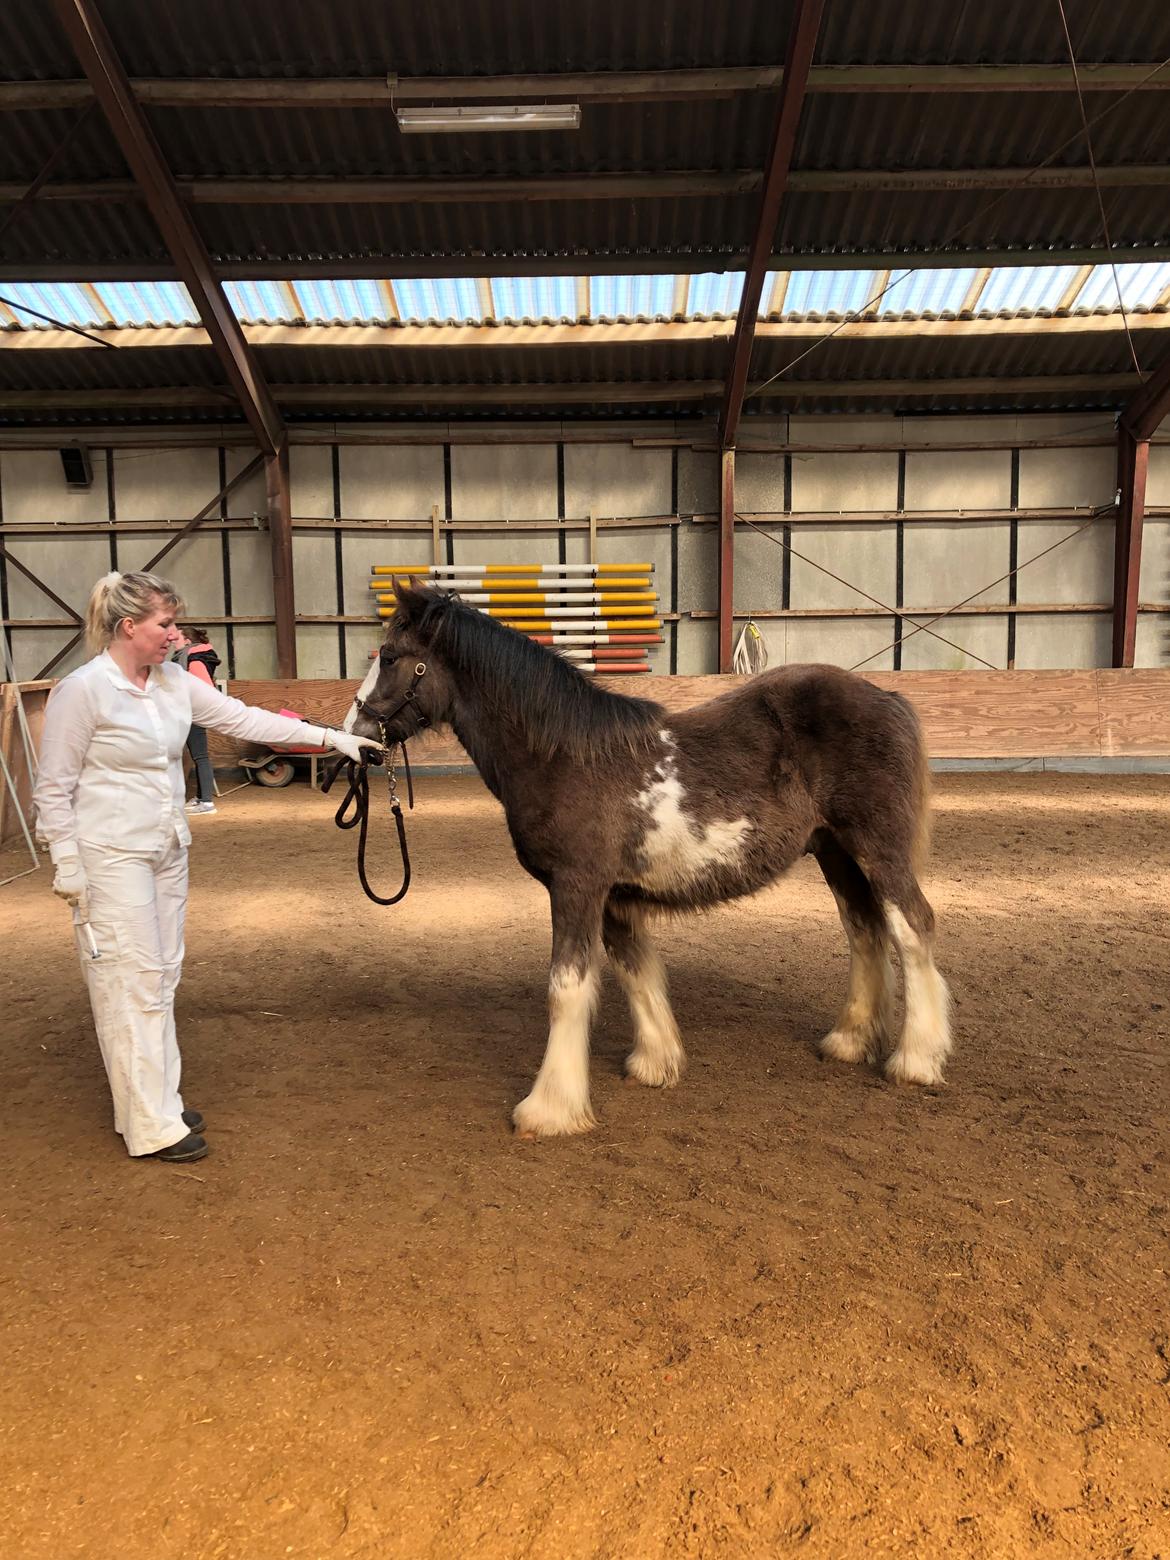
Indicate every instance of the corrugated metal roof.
{"type": "Point", "coordinates": [478, 37]}
{"type": "Point", "coordinates": [469, 37]}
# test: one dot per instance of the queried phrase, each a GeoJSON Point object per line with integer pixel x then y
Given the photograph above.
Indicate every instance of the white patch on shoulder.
{"type": "Point", "coordinates": [367, 687]}
{"type": "Point", "coordinates": [676, 849]}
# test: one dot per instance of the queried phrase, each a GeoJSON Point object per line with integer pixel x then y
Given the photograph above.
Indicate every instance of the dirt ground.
{"type": "Point", "coordinates": [786, 1308]}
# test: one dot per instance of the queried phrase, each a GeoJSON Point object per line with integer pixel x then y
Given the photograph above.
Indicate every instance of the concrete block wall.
{"type": "Point", "coordinates": [919, 567]}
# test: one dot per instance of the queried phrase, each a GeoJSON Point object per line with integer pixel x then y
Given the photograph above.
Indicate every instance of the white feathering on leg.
{"type": "Point", "coordinates": [559, 1101]}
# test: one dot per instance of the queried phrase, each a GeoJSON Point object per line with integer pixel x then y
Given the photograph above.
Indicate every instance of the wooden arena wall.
{"type": "Point", "coordinates": [1024, 714]}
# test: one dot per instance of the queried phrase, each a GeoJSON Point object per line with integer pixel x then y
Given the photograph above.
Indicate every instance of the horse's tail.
{"type": "Point", "coordinates": [919, 786]}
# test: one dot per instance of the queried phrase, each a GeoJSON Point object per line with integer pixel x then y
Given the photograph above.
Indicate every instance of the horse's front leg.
{"type": "Point", "coordinates": [657, 1058]}
{"type": "Point", "coordinates": [559, 1101]}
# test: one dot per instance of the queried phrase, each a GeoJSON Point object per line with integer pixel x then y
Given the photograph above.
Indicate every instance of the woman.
{"type": "Point", "coordinates": [197, 654]}
{"type": "Point", "coordinates": [109, 799]}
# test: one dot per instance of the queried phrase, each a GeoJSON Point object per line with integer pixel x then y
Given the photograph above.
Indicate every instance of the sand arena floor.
{"type": "Point", "coordinates": [785, 1308]}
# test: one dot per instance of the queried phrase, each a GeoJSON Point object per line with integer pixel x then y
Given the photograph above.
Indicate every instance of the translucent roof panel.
{"type": "Point", "coordinates": [450, 299]}
{"type": "Point", "coordinates": [1016, 289]}
{"type": "Point", "coordinates": [823, 292]}
{"type": "Point", "coordinates": [612, 297]}
{"type": "Point", "coordinates": [519, 298]}
{"type": "Point", "coordinates": [148, 303]}
{"type": "Point", "coordinates": [322, 301]}
{"type": "Point", "coordinates": [927, 292]}
{"type": "Point", "coordinates": [714, 292]}
{"type": "Point", "coordinates": [259, 302]}
{"type": "Point", "coordinates": [1141, 286]}
{"type": "Point", "coordinates": [69, 302]}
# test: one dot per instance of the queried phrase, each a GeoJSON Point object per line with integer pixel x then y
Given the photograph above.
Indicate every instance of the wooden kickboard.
{"type": "Point", "coordinates": [1021, 714]}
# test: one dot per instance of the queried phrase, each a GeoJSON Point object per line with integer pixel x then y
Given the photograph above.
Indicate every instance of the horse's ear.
{"type": "Point", "coordinates": [409, 594]}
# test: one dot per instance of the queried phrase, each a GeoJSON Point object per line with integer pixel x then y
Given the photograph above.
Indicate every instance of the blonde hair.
{"type": "Point", "coordinates": [117, 596]}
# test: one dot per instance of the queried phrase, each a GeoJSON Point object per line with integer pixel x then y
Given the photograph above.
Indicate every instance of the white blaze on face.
{"type": "Point", "coordinates": [678, 850]}
{"type": "Point", "coordinates": [363, 692]}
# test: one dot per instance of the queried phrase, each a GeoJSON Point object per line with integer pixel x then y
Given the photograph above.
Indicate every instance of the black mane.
{"type": "Point", "coordinates": [559, 709]}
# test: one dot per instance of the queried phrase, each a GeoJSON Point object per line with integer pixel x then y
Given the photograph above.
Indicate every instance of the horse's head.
{"type": "Point", "coordinates": [408, 687]}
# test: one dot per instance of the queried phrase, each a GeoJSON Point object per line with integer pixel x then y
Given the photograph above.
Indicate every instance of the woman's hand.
{"type": "Point", "coordinates": [345, 742]}
{"type": "Point", "coordinates": [71, 884]}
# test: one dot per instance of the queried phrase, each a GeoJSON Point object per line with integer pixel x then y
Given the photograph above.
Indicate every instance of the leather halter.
{"type": "Point", "coordinates": [359, 785]}
{"type": "Point", "coordinates": [408, 697]}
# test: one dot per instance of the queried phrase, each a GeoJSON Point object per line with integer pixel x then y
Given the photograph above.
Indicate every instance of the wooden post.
{"type": "Point", "coordinates": [436, 536]}
{"type": "Point", "coordinates": [1132, 463]}
{"type": "Point", "coordinates": [726, 555]}
{"type": "Point", "coordinates": [592, 537]}
{"type": "Point", "coordinates": [280, 535]}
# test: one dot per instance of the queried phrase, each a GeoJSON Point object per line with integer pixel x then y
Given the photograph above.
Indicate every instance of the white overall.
{"type": "Point", "coordinates": [110, 791]}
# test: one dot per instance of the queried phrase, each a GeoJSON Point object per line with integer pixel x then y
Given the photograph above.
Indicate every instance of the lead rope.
{"type": "Point", "coordinates": [358, 793]}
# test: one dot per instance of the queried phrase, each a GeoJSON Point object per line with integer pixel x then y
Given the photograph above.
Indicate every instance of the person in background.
{"type": "Point", "coordinates": [198, 655]}
{"type": "Point", "coordinates": [109, 801]}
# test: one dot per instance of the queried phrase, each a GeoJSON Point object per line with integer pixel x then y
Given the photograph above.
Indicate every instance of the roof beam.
{"type": "Point", "coordinates": [779, 293]}
{"type": "Point", "coordinates": [687, 184]}
{"type": "Point", "coordinates": [1074, 289]}
{"type": "Point", "coordinates": [382, 92]}
{"type": "Point", "coordinates": [978, 283]}
{"type": "Point", "coordinates": [802, 38]}
{"type": "Point", "coordinates": [97, 57]}
{"type": "Point", "coordinates": [1110, 388]}
{"type": "Point", "coordinates": [1144, 411]}
{"type": "Point", "coordinates": [616, 263]}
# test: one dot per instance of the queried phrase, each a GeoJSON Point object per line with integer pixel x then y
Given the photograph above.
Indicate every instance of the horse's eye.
{"type": "Point", "coordinates": [387, 657]}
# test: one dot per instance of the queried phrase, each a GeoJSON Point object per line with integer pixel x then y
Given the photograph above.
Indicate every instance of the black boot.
{"type": "Point", "coordinates": [192, 1119]}
{"type": "Point", "coordinates": [188, 1148]}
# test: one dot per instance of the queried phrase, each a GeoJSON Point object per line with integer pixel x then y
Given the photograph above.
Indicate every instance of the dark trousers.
{"type": "Point", "coordinates": [204, 778]}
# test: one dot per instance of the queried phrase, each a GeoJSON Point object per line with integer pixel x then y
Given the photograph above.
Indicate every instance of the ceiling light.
{"type": "Point", "coordinates": [517, 116]}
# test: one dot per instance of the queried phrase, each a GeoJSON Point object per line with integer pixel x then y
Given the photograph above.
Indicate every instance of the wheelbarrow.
{"type": "Point", "coordinates": [276, 767]}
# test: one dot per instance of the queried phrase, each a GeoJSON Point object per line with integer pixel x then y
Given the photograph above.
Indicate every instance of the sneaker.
{"type": "Point", "coordinates": [201, 807]}
{"type": "Point", "coordinates": [193, 1120]}
{"type": "Point", "coordinates": [186, 1149]}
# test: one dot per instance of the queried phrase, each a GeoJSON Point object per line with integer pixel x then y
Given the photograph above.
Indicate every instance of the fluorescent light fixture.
{"type": "Point", "coordinates": [511, 116]}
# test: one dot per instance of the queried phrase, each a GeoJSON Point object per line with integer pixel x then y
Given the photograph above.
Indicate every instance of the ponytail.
{"type": "Point", "coordinates": [118, 596]}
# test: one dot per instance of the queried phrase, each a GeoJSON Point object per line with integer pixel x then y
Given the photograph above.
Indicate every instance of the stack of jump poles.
{"type": "Point", "coordinates": [601, 616]}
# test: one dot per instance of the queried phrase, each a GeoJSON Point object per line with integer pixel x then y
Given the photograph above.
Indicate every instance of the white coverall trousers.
{"type": "Point", "coordinates": [137, 907]}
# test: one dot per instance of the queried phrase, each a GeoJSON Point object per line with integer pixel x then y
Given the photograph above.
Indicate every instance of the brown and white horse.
{"type": "Point", "coordinates": [621, 811]}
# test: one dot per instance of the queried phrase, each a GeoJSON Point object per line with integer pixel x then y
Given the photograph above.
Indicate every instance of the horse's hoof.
{"type": "Point", "coordinates": [846, 1045]}
{"type": "Point", "coordinates": [921, 1070]}
{"type": "Point", "coordinates": [536, 1119]}
{"type": "Point", "coordinates": [662, 1073]}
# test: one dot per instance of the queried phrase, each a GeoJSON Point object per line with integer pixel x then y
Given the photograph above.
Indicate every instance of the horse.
{"type": "Point", "coordinates": [624, 812]}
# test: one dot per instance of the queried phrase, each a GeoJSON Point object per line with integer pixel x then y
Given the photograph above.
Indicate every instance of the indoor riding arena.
{"type": "Point", "coordinates": [497, 385]}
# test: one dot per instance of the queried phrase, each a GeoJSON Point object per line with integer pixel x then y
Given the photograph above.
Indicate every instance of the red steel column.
{"type": "Point", "coordinates": [726, 554]}
{"type": "Point", "coordinates": [1133, 457]}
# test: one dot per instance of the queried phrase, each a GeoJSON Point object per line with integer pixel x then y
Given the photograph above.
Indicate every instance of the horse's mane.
{"type": "Point", "coordinates": [559, 709]}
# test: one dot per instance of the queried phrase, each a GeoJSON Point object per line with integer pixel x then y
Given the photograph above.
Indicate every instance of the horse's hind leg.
{"type": "Point", "coordinates": [925, 1041]}
{"type": "Point", "coordinates": [864, 1031]}
{"type": "Point", "coordinates": [559, 1100]}
{"type": "Point", "coordinates": [657, 1057]}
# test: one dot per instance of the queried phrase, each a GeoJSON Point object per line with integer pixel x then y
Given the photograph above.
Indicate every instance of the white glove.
{"type": "Point", "coordinates": [345, 742]}
{"type": "Point", "coordinates": [71, 884]}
